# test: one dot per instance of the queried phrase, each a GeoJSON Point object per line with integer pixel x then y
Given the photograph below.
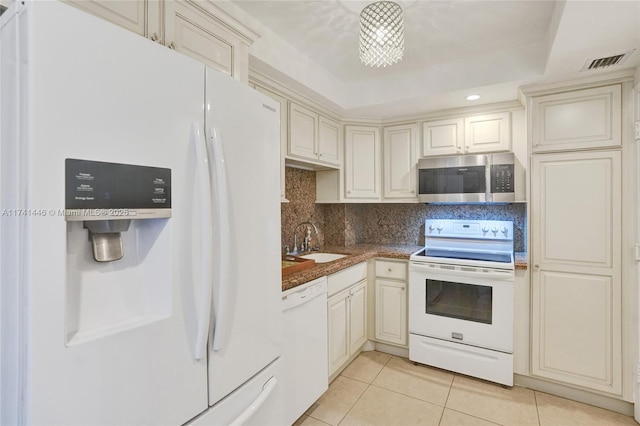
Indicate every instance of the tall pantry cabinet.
{"type": "Point", "coordinates": [576, 236]}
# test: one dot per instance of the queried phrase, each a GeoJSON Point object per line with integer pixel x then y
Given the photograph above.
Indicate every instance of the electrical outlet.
{"type": "Point", "coordinates": [637, 130]}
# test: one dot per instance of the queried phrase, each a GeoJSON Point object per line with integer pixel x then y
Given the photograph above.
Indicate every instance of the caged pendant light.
{"type": "Point", "coordinates": [381, 34]}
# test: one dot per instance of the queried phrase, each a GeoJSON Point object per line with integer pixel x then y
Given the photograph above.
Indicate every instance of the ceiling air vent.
{"type": "Point", "coordinates": [597, 64]}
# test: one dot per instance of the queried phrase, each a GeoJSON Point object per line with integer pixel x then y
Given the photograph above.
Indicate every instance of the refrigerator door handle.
{"type": "Point", "coordinates": [205, 228]}
{"type": "Point", "coordinates": [224, 249]}
{"type": "Point", "coordinates": [267, 389]}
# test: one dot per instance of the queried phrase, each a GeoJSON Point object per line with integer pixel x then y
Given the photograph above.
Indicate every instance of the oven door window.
{"type": "Point", "coordinates": [456, 300]}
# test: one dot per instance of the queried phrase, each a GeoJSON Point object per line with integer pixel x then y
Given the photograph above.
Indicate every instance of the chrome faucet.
{"type": "Point", "coordinates": [306, 245]}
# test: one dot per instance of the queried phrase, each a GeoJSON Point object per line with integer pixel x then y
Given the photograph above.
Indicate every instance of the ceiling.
{"type": "Point", "coordinates": [453, 48]}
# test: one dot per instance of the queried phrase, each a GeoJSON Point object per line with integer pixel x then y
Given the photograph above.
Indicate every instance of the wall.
{"type": "Point", "coordinates": [348, 224]}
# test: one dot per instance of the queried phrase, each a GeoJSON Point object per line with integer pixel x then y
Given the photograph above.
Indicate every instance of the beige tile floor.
{"type": "Point", "coordinates": [381, 389]}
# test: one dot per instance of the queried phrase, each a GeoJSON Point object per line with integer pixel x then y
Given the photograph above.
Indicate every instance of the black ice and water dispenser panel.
{"type": "Point", "coordinates": [107, 196]}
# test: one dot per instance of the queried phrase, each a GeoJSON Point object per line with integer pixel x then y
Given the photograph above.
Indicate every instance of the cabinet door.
{"type": "Point", "coordinates": [284, 120]}
{"type": "Point", "coordinates": [442, 137]}
{"type": "Point", "coordinates": [576, 279]}
{"type": "Point", "coordinates": [303, 132]}
{"type": "Point", "coordinates": [329, 141]}
{"type": "Point", "coordinates": [140, 16]}
{"type": "Point", "coordinates": [362, 162]}
{"type": "Point", "coordinates": [193, 32]}
{"type": "Point", "coordinates": [487, 133]}
{"type": "Point", "coordinates": [338, 329]}
{"type": "Point", "coordinates": [391, 311]}
{"type": "Point", "coordinates": [357, 316]}
{"type": "Point", "coordinates": [400, 160]}
{"type": "Point", "coordinates": [577, 120]}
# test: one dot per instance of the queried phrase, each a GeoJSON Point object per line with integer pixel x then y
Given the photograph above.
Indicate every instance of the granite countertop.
{"type": "Point", "coordinates": [359, 253]}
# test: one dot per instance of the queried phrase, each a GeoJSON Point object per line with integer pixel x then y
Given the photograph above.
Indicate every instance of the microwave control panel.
{"type": "Point", "coordinates": [502, 178]}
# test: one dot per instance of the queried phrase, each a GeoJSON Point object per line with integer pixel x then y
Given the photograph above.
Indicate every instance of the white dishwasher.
{"type": "Point", "coordinates": [306, 373]}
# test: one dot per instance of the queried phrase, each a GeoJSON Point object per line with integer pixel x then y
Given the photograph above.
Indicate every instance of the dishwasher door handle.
{"type": "Point", "coordinates": [304, 296]}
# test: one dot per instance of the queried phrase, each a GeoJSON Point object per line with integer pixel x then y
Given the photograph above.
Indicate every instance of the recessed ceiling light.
{"type": "Point", "coordinates": [472, 97]}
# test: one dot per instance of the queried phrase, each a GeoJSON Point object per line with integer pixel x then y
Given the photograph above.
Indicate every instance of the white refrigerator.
{"type": "Point", "coordinates": [186, 325]}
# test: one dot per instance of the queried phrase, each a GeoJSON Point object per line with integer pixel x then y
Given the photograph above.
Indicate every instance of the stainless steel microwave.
{"type": "Point", "coordinates": [470, 179]}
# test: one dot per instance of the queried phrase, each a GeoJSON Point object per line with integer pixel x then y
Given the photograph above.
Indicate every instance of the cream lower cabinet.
{"type": "Point", "coordinates": [347, 314]}
{"type": "Point", "coordinates": [576, 278]}
{"type": "Point", "coordinates": [391, 302]}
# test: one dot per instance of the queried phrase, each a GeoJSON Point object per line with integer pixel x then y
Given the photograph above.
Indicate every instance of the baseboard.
{"type": "Point", "coordinates": [393, 350]}
{"type": "Point", "coordinates": [586, 397]}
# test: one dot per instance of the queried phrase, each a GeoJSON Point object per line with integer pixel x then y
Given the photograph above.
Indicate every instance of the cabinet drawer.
{"type": "Point", "coordinates": [393, 270]}
{"type": "Point", "coordinates": [345, 278]}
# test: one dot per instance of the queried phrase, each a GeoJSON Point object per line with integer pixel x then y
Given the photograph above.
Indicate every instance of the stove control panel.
{"type": "Point", "coordinates": [474, 229]}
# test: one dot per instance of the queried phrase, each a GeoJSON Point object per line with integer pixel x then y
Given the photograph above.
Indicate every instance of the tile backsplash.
{"type": "Point", "coordinates": [347, 224]}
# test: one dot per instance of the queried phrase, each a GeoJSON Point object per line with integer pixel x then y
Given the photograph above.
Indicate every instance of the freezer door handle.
{"type": "Point", "coordinates": [222, 207]}
{"type": "Point", "coordinates": [204, 229]}
{"type": "Point", "coordinates": [267, 390]}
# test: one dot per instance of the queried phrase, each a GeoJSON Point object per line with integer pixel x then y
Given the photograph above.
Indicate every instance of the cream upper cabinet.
{"type": "Point", "coordinates": [576, 277]}
{"type": "Point", "coordinates": [487, 133]}
{"type": "Point", "coordinates": [362, 163]}
{"type": "Point", "coordinates": [303, 132]}
{"type": "Point", "coordinates": [199, 29]}
{"type": "Point", "coordinates": [143, 17]}
{"type": "Point", "coordinates": [400, 161]}
{"type": "Point", "coordinates": [313, 137]}
{"type": "Point", "coordinates": [194, 29]}
{"type": "Point", "coordinates": [391, 302]}
{"type": "Point", "coordinates": [580, 119]}
{"type": "Point", "coordinates": [283, 135]}
{"type": "Point", "coordinates": [329, 137]}
{"type": "Point", "coordinates": [473, 134]}
{"type": "Point", "coordinates": [442, 137]}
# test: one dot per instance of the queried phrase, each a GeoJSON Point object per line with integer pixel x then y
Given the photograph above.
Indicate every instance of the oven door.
{"type": "Point", "coordinates": [462, 304]}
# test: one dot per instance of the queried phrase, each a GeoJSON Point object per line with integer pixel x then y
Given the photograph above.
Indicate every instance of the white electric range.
{"type": "Point", "coordinates": [461, 289]}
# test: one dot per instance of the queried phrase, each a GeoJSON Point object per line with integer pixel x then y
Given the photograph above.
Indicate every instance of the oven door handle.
{"type": "Point", "coordinates": [464, 271]}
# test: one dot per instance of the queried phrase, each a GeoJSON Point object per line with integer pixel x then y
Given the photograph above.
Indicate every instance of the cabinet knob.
{"type": "Point", "coordinates": [536, 267]}
{"type": "Point", "coordinates": [389, 269]}
{"type": "Point", "coordinates": [348, 192]}
{"type": "Point", "coordinates": [154, 37]}
{"type": "Point", "coordinates": [171, 46]}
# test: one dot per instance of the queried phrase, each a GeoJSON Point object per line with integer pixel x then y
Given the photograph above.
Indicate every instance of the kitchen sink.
{"type": "Point", "coordinates": [323, 257]}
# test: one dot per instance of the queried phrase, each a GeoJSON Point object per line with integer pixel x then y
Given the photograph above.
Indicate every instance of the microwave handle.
{"type": "Point", "coordinates": [488, 196]}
